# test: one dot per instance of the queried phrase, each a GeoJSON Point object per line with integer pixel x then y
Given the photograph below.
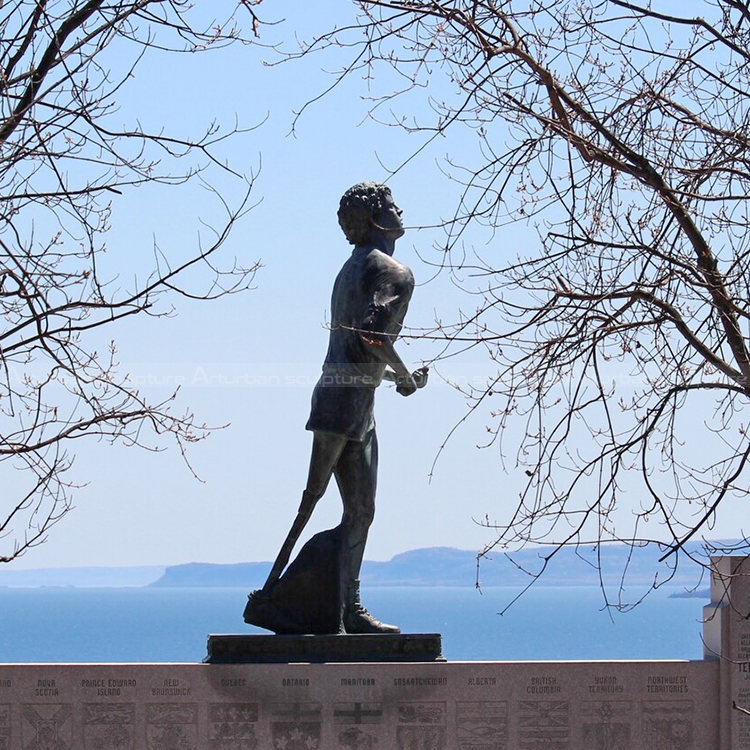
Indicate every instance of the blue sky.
{"type": "Point", "coordinates": [251, 360]}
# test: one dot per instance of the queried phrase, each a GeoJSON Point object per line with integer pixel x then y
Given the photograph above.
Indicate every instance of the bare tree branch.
{"type": "Point", "coordinates": [621, 339]}
{"type": "Point", "coordinates": [62, 163]}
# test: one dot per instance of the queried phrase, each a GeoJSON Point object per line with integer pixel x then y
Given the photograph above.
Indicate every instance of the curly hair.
{"type": "Point", "coordinates": [359, 204]}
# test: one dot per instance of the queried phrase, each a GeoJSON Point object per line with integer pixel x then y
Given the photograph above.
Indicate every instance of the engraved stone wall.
{"type": "Point", "coordinates": [727, 640]}
{"type": "Point", "coordinates": [433, 706]}
{"type": "Point", "coordinates": [5, 726]}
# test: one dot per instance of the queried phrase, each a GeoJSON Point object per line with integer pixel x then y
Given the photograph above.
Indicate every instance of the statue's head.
{"type": "Point", "coordinates": [369, 206]}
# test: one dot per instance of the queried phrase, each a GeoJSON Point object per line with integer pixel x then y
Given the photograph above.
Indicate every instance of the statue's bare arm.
{"type": "Point", "coordinates": [396, 371]}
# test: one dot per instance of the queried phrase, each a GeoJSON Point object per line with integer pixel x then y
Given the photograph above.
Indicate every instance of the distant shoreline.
{"type": "Point", "coordinates": [431, 566]}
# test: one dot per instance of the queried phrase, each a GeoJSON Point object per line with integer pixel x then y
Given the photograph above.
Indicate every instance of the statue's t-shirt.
{"type": "Point", "coordinates": [371, 292]}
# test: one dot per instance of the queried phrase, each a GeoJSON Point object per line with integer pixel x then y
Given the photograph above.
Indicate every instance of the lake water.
{"type": "Point", "coordinates": [162, 625]}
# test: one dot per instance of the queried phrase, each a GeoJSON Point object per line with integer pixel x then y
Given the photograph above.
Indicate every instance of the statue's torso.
{"type": "Point", "coordinates": [369, 283]}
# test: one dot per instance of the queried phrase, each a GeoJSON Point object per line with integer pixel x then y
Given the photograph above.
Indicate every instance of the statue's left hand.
{"type": "Point", "coordinates": [418, 379]}
{"type": "Point", "coordinates": [421, 376]}
{"type": "Point", "coordinates": [406, 387]}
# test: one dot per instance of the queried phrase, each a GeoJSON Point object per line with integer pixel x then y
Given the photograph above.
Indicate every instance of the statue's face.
{"type": "Point", "coordinates": [389, 218]}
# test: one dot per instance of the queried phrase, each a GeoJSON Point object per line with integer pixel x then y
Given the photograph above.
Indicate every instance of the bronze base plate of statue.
{"type": "Point", "coordinates": [318, 649]}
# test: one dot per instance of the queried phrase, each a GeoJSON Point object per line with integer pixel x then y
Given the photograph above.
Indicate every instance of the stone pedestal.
{"type": "Point", "coordinates": [726, 637]}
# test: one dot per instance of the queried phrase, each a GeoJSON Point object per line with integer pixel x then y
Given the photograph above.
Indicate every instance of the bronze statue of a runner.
{"type": "Point", "coordinates": [369, 302]}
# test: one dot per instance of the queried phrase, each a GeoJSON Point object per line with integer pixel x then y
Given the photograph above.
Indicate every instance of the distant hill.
{"type": "Point", "coordinates": [214, 575]}
{"type": "Point", "coordinates": [432, 566]}
{"type": "Point", "coordinates": [446, 566]}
